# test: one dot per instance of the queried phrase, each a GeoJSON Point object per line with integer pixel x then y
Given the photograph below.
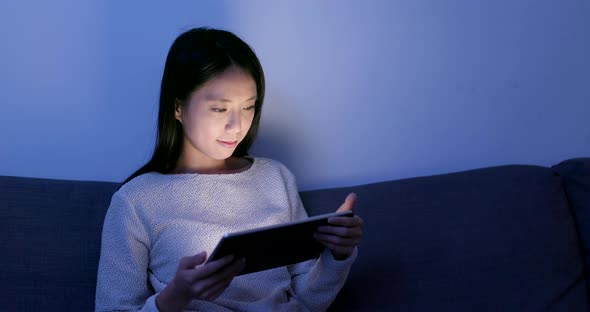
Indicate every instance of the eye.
{"type": "Point", "coordinates": [249, 108]}
{"type": "Point", "coordinates": [218, 110]}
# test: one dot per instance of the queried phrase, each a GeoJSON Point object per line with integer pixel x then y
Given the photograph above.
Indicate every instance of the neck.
{"type": "Point", "coordinates": [214, 166]}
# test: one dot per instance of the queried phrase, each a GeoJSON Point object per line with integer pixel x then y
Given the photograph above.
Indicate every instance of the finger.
{"type": "Point", "coordinates": [218, 293]}
{"type": "Point", "coordinates": [212, 267]}
{"type": "Point", "coordinates": [232, 270]}
{"type": "Point", "coordinates": [342, 250]}
{"type": "Point", "coordinates": [191, 262]}
{"type": "Point", "coordinates": [205, 287]}
{"type": "Point", "coordinates": [341, 231]}
{"type": "Point", "coordinates": [337, 240]}
{"type": "Point", "coordinates": [229, 270]}
{"type": "Point", "coordinates": [217, 289]}
{"type": "Point", "coordinates": [348, 203]}
{"type": "Point", "coordinates": [361, 221]}
{"type": "Point", "coordinates": [213, 291]}
{"type": "Point", "coordinates": [346, 221]}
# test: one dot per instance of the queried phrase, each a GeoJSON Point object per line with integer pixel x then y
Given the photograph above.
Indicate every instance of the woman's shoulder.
{"type": "Point", "coordinates": [146, 183]}
{"type": "Point", "coordinates": [270, 164]}
{"type": "Point", "coordinates": [267, 166]}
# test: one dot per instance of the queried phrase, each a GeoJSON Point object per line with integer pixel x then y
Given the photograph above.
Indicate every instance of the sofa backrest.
{"type": "Point", "coordinates": [492, 239]}
{"type": "Point", "coordinates": [50, 246]}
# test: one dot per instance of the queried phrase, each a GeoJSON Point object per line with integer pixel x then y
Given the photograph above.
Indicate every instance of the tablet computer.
{"type": "Point", "coordinates": [276, 245]}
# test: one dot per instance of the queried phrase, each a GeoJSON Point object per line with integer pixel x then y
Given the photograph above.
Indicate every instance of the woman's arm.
{"type": "Point", "coordinates": [315, 283]}
{"type": "Point", "coordinates": [122, 281]}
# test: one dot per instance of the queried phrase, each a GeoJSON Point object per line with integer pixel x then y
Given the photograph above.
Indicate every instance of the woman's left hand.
{"type": "Point", "coordinates": [343, 233]}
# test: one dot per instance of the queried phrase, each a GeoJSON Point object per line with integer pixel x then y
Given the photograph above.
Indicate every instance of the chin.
{"type": "Point", "coordinates": [222, 156]}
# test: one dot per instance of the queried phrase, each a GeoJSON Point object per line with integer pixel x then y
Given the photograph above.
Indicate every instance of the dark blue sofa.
{"type": "Point", "coordinates": [507, 238]}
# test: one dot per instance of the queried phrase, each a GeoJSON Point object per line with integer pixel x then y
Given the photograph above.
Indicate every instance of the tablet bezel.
{"type": "Point", "coordinates": [275, 245]}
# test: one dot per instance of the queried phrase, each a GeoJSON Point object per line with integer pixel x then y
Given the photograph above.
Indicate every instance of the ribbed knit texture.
{"type": "Point", "coordinates": [156, 219]}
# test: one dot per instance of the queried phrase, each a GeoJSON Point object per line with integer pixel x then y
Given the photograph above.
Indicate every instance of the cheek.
{"type": "Point", "coordinates": [247, 120]}
{"type": "Point", "coordinates": [209, 127]}
{"type": "Point", "coordinates": [199, 125]}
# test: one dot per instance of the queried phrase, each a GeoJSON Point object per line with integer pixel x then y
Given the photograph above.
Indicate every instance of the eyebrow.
{"type": "Point", "coordinates": [224, 100]}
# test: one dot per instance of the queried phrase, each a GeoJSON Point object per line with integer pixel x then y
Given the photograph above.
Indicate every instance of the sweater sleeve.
{"type": "Point", "coordinates": [315, 283]}
{"type": "Point", "coordinates": [122, 281]}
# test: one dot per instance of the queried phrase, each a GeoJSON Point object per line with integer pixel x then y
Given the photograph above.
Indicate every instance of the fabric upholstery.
{"type": "Point", "coordinates": [50, 233]}
{"type": "Point", "coordinates": [494, 239]}
{"type": "Point", "coordinates": [491, 239]}
{"type": "Point", "coordinates": [575, 176]}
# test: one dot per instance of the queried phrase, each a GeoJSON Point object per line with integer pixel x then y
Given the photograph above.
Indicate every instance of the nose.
{"type": "Point", "coordinates": [234, 123]}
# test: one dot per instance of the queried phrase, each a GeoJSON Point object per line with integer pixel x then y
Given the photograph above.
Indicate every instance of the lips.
{"type": "Point", "coordinates": [229, 144]}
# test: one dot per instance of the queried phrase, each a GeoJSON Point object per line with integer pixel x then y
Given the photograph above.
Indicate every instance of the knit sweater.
{"type": "Point", "coordinates": [156, 219]}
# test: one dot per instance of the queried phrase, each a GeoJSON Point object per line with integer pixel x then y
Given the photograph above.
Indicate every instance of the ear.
{"type": "Point", "coordinates": [178, 110]}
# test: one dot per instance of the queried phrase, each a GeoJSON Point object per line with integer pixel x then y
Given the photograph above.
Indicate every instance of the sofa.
{"type": "Point", "coordinates": [504, 238]}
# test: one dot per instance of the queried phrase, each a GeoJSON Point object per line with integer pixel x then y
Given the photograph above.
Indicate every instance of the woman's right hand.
{"type": "Point", "coordinates": [196, 281]}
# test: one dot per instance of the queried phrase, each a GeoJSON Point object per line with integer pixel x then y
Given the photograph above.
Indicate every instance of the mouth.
{"type": "Point", "coordinates": [228, 144]}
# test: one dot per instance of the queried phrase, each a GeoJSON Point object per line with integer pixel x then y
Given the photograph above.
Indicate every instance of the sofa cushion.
{"type": "Point", "coordinates": [575, 176]}
{"type": "Point", "coordinates": [492, 239]}
{"type": "Point", "coordinates": [50, 247]}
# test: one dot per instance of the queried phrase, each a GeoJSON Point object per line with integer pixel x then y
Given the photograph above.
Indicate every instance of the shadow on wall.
{"type": "Point", "coordinates": [275, 140]}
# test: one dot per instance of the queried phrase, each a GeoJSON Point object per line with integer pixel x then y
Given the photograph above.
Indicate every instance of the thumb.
{"type": "Point", "coordinates": [348, 203]}
{"type": "Point", "coordinates": [192, 261]}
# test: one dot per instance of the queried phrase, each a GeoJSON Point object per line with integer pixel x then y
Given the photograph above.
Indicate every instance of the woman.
{"type": "Point", "coordinates": [201, 183]}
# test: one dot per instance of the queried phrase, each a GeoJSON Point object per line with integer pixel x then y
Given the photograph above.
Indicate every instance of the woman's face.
{"type": "Point", "coordinates": [217, 117]}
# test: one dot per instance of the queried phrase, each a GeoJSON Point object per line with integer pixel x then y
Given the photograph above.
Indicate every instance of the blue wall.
{"type": "Point", "coordinates": [357, 91]}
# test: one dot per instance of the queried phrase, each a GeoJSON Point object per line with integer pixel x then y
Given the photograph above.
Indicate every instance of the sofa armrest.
{"type": "Point", "coordinates": [575, 178]}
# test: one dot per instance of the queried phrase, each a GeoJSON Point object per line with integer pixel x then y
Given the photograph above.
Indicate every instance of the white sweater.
{"type": "Point", "coordinates": [156, 219]}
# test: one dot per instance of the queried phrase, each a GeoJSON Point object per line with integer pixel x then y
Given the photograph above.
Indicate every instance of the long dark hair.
{"type": "Point", "coordinates": [195, 57]}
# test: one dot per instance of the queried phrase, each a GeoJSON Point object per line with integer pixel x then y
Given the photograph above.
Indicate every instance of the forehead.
{"type": "Point", "coordinates": [232, 83]}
